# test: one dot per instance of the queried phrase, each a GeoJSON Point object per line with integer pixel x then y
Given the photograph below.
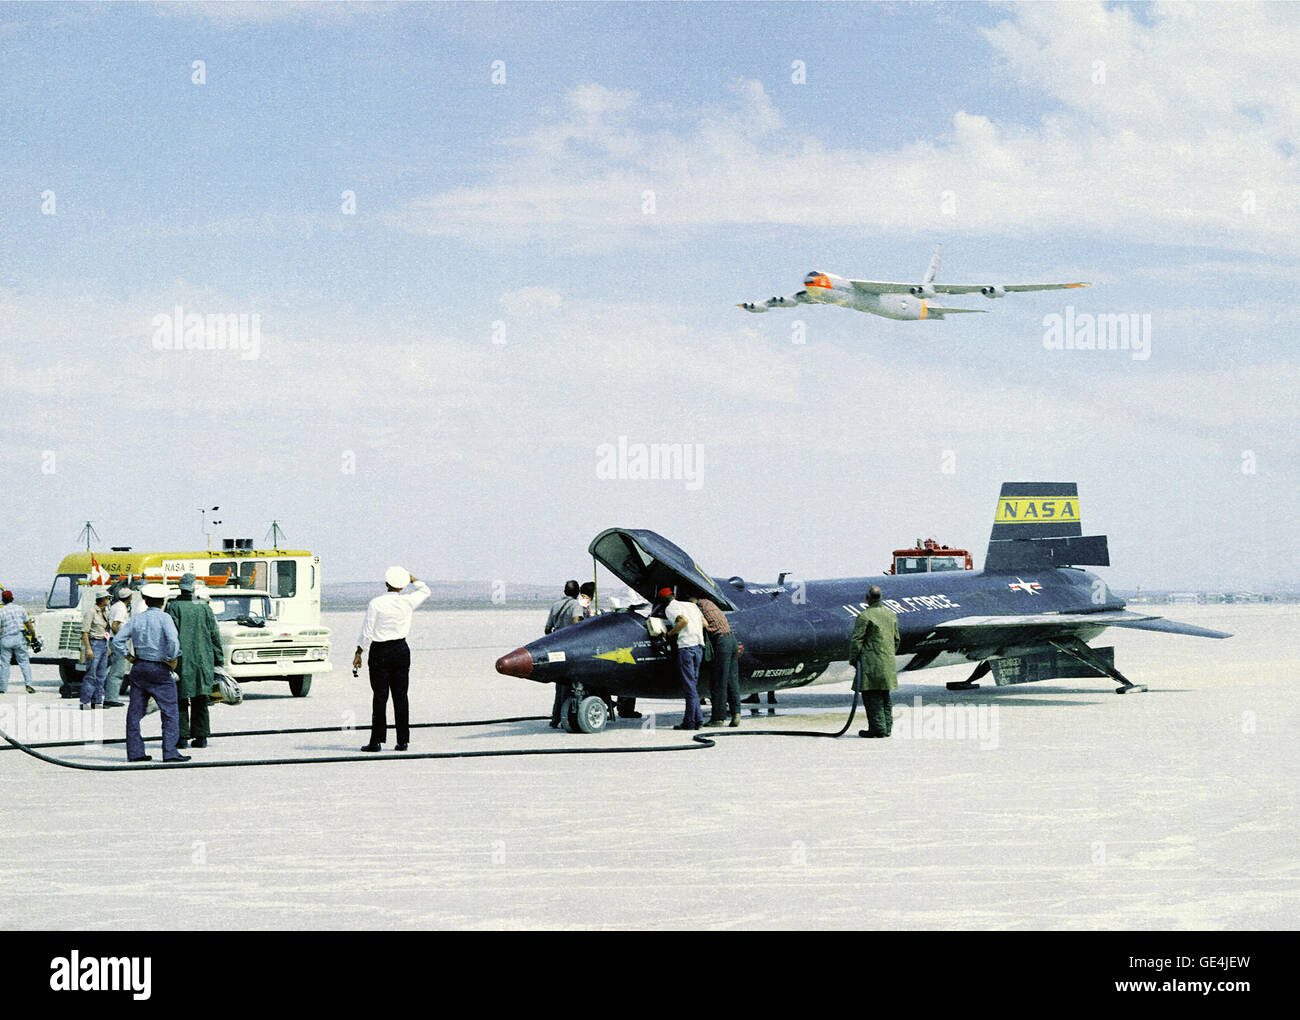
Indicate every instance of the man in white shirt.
{"type": "Point", "coordinates": [688, 627]}
{"type": "Point", "coordinates": [118, 614]}
{"type": "Point", "coordinates": [388, 622]}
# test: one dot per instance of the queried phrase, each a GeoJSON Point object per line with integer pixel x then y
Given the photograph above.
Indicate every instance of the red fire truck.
{"type": "Point", "coordinates": [929, 557]}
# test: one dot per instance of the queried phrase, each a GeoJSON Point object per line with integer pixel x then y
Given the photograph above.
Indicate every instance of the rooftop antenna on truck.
{"type": "Point", "coordinates": [204, 511]}
{"type": "Point", "coordinates": [275, 533]}
{"type": "Point", "coordinates": [87, 531]}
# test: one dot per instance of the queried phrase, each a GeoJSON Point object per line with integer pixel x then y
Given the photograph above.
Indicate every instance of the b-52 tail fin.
{"type": "Point", "coordinates": [932, 272]}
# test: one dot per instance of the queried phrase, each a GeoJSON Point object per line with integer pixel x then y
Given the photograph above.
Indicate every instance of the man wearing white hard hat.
{"type": "Point", "coordinates": [388, 622]}
{"type": "Point", "coordinates": [157, 647]}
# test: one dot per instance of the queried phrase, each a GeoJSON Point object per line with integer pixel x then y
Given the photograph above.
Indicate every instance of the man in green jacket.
{"type": "Point", "coordinates": [875, 643]}
{"type": "Point", "coordinates": [200, 652]}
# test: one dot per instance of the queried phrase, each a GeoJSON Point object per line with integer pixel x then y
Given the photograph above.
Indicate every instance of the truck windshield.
{"type": "Point", "coordinates": [250, 607]}
{"type": "Point", "coordinates": [926, 564]}
{"type": "Point", "coordinates": [65, 593]}
{"type": "Point", "coordinates": [241, 574]}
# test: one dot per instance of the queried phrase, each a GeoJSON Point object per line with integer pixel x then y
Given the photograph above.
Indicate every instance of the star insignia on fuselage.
{"type": "Point", "coordinates": [618, 655]}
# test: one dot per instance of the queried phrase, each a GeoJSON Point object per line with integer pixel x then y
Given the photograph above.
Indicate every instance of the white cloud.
{"type": "Point", "coordinates": [530, 302]}
{"type": "Point", "coordinates": [1175, 143]}
{"type": "Point", "coordinates": [227, 13]}
{"type": "Point", "coordinates": [1218, 405]}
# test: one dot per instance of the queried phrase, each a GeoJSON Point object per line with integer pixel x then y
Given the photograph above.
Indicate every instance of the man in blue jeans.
{"type": "Point", "coordinates": [94, 649]}
{"type": "Point", "coordinates": [157, 647]}
{"type": "Point", "coordinates": [14, 624]}
{"type": "Point", "coordinates": [688, 627]}
{"type": "Point", "coordinates": [724, 688]}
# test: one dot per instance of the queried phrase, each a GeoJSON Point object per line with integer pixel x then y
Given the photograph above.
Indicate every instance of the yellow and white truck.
{"type": "Point", "coordinates": [267, 605]}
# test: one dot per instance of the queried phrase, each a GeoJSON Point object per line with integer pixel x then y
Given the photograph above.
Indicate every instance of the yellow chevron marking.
{"type": "Point", "coordinates": [618, 655]}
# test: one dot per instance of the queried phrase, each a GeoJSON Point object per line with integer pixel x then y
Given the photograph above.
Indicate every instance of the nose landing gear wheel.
{"type": "Point", "coordinates": [588, 715]}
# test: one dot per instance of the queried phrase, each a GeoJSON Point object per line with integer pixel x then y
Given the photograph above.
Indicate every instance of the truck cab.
{"type": "Point", "coordinates": [929, 557]}
{"type": "Point", "coordinates": [267, 605]}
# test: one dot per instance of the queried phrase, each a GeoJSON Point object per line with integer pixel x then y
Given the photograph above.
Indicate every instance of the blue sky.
{"type": "Point", "coordinates": [1151, 150]}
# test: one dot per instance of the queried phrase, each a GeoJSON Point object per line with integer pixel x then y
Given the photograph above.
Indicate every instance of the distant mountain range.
{"type": "Point", "coordinates": [345, 595]}
{"type": "Point", "coordinates": [356, 594]}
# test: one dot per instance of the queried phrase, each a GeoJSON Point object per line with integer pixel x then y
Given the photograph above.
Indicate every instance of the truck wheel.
{"type": "Point", "coordinates": [592, 714]}
{"type": "Point", "coordinates": [70, 680]}
{"type": "Point", "coordinates": [300, 685]}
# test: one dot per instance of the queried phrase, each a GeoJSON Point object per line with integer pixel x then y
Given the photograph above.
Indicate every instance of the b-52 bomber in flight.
{"type": "Point", "coordinates": [905, 301]}
{"type": "Point", "coordinates": [1028, 615]}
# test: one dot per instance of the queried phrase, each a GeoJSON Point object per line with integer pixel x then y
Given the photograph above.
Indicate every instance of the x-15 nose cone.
{"type": "Point", "coordinates": [517, 663]}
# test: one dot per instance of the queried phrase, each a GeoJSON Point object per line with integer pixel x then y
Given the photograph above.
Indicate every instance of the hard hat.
{"type": "Point", "coordinates": [154, 590]}
{"type": "Point", "coordinates": [397, 577]}
{"type": "Point", "coordinates": [186, 582]}
{"type": "Point", "coordinates": [99, 593]}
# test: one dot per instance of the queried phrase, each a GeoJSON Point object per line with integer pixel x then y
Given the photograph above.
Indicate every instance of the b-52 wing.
{"type": "Point", "coordinates": [987, 289]}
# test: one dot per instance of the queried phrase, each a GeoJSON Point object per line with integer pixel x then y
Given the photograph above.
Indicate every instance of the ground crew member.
{"type": "Point", "coordinates": [875, 643]}
{"type": "Point", "coordinates": [156, 647]}
{"type": "Point", "coordinates": [566, 611]}
{"type": "Point", "coordinates": [688, 628]}
{"type": "Point", "coordinates": [94, 650]}
{"type": "Point", "coordinates": [387, 624]}
{"type": "Point", "coordinates": [201, 651]}
{"type": "Point", "coordinates": [622, 706]}
{"type": "Point", "coordinates": [118, 613]}
{"type": "Point", "coordinates": [724, 689]}
{"type": "Point", "coordinates": [14, 624]}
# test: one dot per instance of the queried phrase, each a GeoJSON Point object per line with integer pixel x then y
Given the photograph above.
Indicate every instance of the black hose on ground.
{"type": "Point", "coordinates": [790, 733]}
{"type": "Point", "coordinates": [698, 742]}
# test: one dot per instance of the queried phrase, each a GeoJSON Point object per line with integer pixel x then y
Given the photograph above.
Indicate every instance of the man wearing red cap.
{"type": "Point", "coordinates": [14, 626]}
{"type": "Point", "coordinates": [688, 627]}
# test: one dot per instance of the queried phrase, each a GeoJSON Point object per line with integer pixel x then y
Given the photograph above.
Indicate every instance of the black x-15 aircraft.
{"type": "Point", "coordinates": [1027, 616]}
